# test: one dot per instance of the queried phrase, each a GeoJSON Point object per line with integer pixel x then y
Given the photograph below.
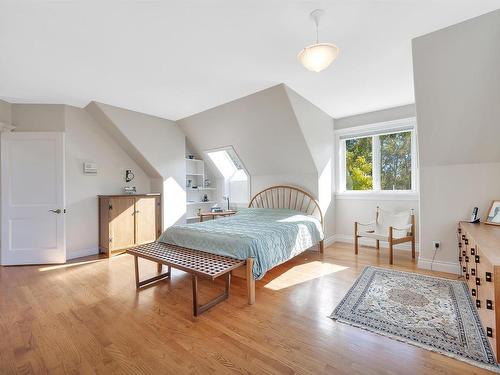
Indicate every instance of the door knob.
{"type": "Point", "coordinates": [58, 211]}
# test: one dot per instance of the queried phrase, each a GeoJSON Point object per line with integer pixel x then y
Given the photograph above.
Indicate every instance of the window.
{"type": "Point", "coordinates": [235, 178]}
{"type": "Point", "coordinates": [379, 157]}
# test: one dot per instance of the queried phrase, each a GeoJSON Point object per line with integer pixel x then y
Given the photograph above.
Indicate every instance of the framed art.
{"type": "Point", "coordinates": [494, 213]}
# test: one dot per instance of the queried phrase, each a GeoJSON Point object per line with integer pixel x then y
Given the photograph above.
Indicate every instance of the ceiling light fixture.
{"type": "Point", "coordinates": [319, 56]}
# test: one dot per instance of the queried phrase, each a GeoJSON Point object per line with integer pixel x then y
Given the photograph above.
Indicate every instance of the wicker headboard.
{"type": "Point", "coordinates": [282, 196]}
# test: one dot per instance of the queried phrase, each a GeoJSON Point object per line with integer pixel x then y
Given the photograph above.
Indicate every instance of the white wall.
{"type": "Point", "coordinates": [348, 208]}
{"type": "Point", "coordinates": [457, 91]}
{"type": "Point", "coordinates": [263, 130]}
{"type": "Point", "coordinates": [156, 143]}
{"type": "Point", "coordinates": [87, 141]}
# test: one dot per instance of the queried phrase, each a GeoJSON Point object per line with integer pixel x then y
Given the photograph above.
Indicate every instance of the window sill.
{"type": "Point", "coordinates": [378, 195]}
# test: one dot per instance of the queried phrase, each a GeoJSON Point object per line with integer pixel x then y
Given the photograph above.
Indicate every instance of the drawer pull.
{"type": "Point", "coordinates": [488, 276]}
{"type": "Point", "coordinates": [473, 272]}
{"type": "Point", "coordinates": [477, 258]}
{"type": "Point", "coordinates": [467, 259]}
{"type": "Point", "coordinates": [473, 291]}
{"type": "Point", "coordinates": [472, 251]}
{"type": "Point", "coordinates": [463, 252]}
{"type": "Point", "coordinates": [464, 269]}
{"type": "Point", "coordinates": [466, 241]}
{"type": "Point", "coordinates": [459, 230]}
{"type": "Point", "coordinates": [489, 331]}
{"type": "Point", "coordinates": [463, 236]}
{"type": "Point", "coordinates": [478, 304]}
{"type": "Point", "coordinates": [467, 276]}
{"type": "Point", "coordinates": [489, 304]}
{"type": "Point", "coordinates": [478, 281]}
{"type": "Point", "coordinates": [459, 244]}
{"type": "Point", "coordinates": [459, 258]}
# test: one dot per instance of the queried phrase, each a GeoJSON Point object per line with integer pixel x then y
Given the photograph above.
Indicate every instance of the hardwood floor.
{"type": "Point", "coordinates": [86, 317]}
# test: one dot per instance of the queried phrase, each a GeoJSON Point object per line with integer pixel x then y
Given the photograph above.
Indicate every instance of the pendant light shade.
{"type": "Point", "coordinates": [318, 56]}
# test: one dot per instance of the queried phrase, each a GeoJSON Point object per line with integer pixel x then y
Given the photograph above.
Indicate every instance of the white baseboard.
{"type": "Point", "coordinates": [349, 238]}
{"type": "Point", "coordinates": [72, 254]}
{"type": "Point", "coordinates": [450, 267]}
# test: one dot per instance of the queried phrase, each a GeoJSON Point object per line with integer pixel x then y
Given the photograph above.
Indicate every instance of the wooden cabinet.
{"type": "Point", "coordinates": [128, 220]}
{"type": "Point", "coordinates": [479, 257]}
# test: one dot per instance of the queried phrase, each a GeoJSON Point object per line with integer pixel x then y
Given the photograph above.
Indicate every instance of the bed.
{"type": "Point", "coordinates": [279, 223]}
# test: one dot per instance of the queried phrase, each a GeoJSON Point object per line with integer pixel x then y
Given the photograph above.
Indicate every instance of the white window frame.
{"type": "Point", "coordinates": [225, 188]}
{"type": "Point", "coordinates": [373, 130]}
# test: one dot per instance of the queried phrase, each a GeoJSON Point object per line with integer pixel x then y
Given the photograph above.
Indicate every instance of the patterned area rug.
{"type": "Point", "coordinates": [430, 312]}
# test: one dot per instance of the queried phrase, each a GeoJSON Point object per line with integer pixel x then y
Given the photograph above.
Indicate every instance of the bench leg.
{"type": "Point", "coordinates": [250, 282]}
{"type": "Point", "coordinates": [139, 283]}
{"type": "Point", "coordinates": [199, 309]}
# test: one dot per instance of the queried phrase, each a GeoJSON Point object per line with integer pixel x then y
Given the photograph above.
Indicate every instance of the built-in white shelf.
{"type": "Point", "coordinates": [194, 174]}
{"type": "Point", "coordinates": [209, 202]}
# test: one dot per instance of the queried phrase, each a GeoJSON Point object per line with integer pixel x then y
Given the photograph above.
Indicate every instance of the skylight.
{"type": "Point", "coordinates": [236, 179]}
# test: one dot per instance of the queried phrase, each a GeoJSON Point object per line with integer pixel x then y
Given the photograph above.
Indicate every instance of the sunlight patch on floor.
{"type": "Point", "coordinates": [302, 273]}
{"type": "Point", "coordinates": [67, 265]}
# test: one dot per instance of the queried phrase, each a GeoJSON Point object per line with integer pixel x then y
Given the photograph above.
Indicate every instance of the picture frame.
{"type": "Point", "coordinates": [493, 217]}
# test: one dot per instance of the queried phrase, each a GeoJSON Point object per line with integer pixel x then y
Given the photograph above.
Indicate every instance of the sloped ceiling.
{"type": "Point", "coordinates": [262, 128]}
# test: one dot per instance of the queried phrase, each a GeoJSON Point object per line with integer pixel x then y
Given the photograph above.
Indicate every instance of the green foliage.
{"type": "Point", "coordinates": [395, 155]}
{"type": "Point", "coordinates": [359, 164]}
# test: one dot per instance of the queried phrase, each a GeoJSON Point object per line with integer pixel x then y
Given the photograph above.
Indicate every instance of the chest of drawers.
{"type": "Point", "coordinates": [479, 257]}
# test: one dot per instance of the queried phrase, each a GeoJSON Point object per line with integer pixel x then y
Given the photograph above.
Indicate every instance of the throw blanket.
{"type": "Point", "coordinates": [270, 236]}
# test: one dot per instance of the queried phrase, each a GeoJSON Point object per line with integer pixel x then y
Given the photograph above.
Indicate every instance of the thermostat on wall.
{"type": "Point", "coordinates": [89, 168]}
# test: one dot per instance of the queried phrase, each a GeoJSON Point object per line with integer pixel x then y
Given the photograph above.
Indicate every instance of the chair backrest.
{"type": "Point", "coordinates": [386, 219]}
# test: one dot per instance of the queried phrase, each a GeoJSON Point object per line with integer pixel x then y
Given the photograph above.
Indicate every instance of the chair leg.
{"type": "Point", "coordinates": [391, 247]}
{"type": "Point", "coordinates": [356, 238]}
{"type": "Point", "coordinates": [413, 248]}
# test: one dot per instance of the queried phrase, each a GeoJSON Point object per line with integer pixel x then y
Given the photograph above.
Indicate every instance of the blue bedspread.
{"type": "Point", "coordinates": [270, 236]}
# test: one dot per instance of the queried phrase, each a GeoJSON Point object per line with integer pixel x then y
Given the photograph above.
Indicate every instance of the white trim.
{"type": "Point", "coordinates": [349, 238]}
{"type": "Point", "coordinates": [80, 253]}
{"type": "Point", "coordinates": [383, 127]}
{"type": "Point", "coordinates": [329, 240]}
{"type": "Point", "coordinates": [450, 267]}
{"type": "Point", "coordinates": [369, 195]}
{"type": "Point", "coordinates": [4, 127]}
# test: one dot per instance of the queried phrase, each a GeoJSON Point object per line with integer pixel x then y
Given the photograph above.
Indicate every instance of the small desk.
{"type": "Point", "coordinates": [213, 215]}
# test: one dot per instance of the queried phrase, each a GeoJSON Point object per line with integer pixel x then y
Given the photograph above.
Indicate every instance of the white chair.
{"type": "Point", "coordinates": [388, 227]}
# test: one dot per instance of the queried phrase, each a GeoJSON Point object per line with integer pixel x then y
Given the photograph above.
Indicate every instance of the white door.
{"type": "Point", "coordinates": [33, 204]}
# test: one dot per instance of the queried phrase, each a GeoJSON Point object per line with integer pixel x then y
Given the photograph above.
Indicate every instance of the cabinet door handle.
{"type": "Point", "coordinates": [58, 211]}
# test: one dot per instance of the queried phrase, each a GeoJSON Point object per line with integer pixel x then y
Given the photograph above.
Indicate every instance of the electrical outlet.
{"type": "Point", "coordinates": [436, 244]}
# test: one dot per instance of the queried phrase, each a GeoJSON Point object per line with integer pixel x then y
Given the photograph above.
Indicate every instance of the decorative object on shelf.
{"type": "Point", "coordinates": [318, 56]}
{"type": "Point", "coordinates": [226, 198]}
{"type": "Point", "coordinates": [494, 213]}
{"type": "Point", "coordinates": [216, 208]}
{"type": "Point", "coordinates": [433, 313]}
{"type": "Point", "coordinates": [129, 176]}
{"type": "Point", "coordinates": [206, 183]}
{"type": "Point", "coordinates": [129, 190]}
{"type": "Point", "coordinates": [205, 198]}
{"type": "Point", "coordinates": [190, 156]}
{"type": "Point", "coordinates": [199, 211]}
{"type": "Point", "coordinates": [474, 217]}
{"type": "Point", "coordinates": [194, 187]}
{"type": "Point", "coordinates": [188, 183]}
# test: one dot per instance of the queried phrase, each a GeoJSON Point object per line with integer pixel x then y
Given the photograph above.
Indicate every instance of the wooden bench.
{"type": "Point", "coordinates": [197, 263]}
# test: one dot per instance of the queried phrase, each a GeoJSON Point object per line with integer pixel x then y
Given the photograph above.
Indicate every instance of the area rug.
{"type": "Point", "coordinates": [430, 312]}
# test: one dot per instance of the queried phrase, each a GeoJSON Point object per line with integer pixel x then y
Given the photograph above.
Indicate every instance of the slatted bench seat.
{"type": "Point", "coordinates": [195, 262]}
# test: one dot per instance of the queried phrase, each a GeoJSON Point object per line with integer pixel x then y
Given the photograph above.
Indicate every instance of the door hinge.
{"type": "Point", "coordinates": [110, 206]}
{"type": "Point", "coordinates": [110, 239]}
